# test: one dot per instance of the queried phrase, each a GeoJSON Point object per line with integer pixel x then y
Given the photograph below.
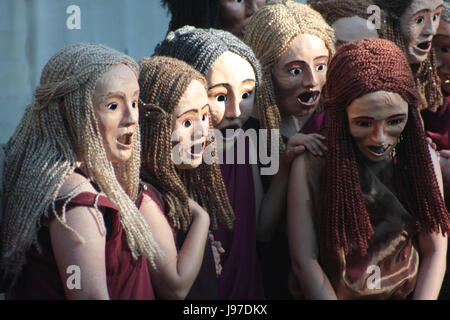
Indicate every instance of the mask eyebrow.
{"type": "Point", "coordinates": [120, 94]}
{"type": "Point", "coordinates": [226, 85]}
{"type": "Point", "coordinates": [193, 110]}
{"type": "Point", "coordinates": [428, 10]}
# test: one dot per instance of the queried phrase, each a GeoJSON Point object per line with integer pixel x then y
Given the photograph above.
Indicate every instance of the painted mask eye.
{"type": "Point", "coordinates": [295, 71]}
{"type": "Point", "coordinates": [363, 124]}
{"type": "Point", "coordinates": [246, 95]}
{"type": "Point", "coordinates": [112, 106]}
{"type": "Point", "coordinates": [395, 122]}
{"type": "Point", "coordinates": [321, 67]}
{"type": "Point", "coordinates": [134, 104]}
{"type": "Point", "coordinates": [187, 123]}
{"type": "Point", "coordinates": [204, 117]}
{"type": "Point", "coordinates": [444, 49]}
{"type": "Point", "coordinates": [221, 98]}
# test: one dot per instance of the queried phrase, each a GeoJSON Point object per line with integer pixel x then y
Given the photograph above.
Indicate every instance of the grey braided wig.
{"type": "Point", "coordinates": [46, 144]}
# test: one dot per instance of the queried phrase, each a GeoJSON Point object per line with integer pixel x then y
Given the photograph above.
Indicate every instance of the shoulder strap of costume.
{"type": "Point", "coordinates": [151, 192]}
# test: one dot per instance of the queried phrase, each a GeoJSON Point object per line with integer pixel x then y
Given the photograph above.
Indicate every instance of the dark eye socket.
{"type": "Point", "coordinates": [395, 122]}
{"type": "Point", "coordinates": [239, 1]}
{"type": "Point", "coordinates": [221, 98]}
{"type": "Point", "coordinates": [420, 20]}
{"type": "Point", "coordinates": [295, 71]}
{"type": "Point", "coordinates": [187, 123]}
{"type": "Point", "coordinates": [444, 49]}
{"type": "Point", "coordinates": [246, 95]}
{"type": "Point", "coordinates": [204, 117]}
{"type": "Point", "coordinates": [364, 124]}
{"type": "Point", "coordinates": [112, 106]}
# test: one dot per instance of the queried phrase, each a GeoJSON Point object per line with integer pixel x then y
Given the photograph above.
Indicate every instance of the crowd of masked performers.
{"type": "Point", "coordinates": [107, 194]}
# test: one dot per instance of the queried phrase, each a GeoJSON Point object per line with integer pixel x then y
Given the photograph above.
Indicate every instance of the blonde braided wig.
{"type": "Point", "coordinates": [163, 81]}
{"type": "Point", "coordinates": [46, 145]}
{"type": "Point", "coordinates": [269, 33]}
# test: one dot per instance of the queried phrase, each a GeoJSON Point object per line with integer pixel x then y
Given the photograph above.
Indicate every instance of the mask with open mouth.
{"type": "Point", "coordinates": [418, 25]}
{"type": "Point", "coordinates": [309, 98]}
{"type": "Point", "coordinates": [126, 139]}
{"type": "Point", "coordinates": [300, 74]}
{"type": "Point", "coordinates": [425, 46]}
{"type": "Point", "coordinates": [379, 150]}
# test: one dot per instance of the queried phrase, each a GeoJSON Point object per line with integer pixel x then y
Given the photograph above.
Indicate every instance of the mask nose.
{"type": "Point", "coordinates": [378, 135]}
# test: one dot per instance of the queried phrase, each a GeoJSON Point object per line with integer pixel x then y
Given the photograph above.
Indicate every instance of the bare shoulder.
{"type": "Point", "coordinates": [75, 181]}
{"type": "Point", "coordinates": [149, 205]}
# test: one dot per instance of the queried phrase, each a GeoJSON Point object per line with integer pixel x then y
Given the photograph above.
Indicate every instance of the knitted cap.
{"type": "Point", "coordinates": [367, 66]}
{"type": "Point", "coordinates": [271, 29]}
{"type": "Point", "coordinates": [163, 80]}
{"type": "Point", "coordinates": [201, 47]}
{"type": "Point", "coordinates": [446, 11]}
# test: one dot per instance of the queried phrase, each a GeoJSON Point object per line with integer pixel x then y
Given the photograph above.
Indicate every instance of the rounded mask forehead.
{"type": "Point", "coordinates": [195, 96]}
{"type": "Point", "coordinates": [230, 68]}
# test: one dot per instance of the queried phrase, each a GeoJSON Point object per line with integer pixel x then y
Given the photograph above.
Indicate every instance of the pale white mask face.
{"type": "Point", "coordinates": [115, 102]}
{"type": "Point", "coordinates": [352, 29]}
{"type": "Point", "coordinates": [418, 25]}
{"type": "Point", "coordinates": [231, 91]}
{"type": "Point", "coordinates": [190, 126]}
{"type": "Point", "coordinates": [376, 121]}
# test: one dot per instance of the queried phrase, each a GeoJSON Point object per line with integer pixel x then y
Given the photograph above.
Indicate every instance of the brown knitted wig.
{"type": "Point", "coordinates": [359, 68]}
{"type": "Point", "coordinates": [425, 73]}
{"type": "Point", "coordinates": [163, 81]}
{"type": "Point", "coordinates": [269, 33]}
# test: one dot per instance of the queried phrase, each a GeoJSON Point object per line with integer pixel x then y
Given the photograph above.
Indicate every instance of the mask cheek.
{"type": "Point", "coordinates": [216, 112]}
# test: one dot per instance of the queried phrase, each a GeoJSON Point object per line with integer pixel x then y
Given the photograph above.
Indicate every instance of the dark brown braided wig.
{"type": "Point", "coordinates": [359, 68]}
{"type": "Point", "coordinates": [163, 81]}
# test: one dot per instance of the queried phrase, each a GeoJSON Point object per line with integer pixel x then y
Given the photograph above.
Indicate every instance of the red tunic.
{"type": "Point", "coordinates": [127, 279]}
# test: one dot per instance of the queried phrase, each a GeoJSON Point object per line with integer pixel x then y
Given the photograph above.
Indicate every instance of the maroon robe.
{"type": "Point", "coordinates": [127, 279]}
{"type": "Point", "coordinates": [437, 125]}
{"type": "Point", "coordinates": [240, 278]}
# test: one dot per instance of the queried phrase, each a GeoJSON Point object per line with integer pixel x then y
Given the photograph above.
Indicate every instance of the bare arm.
{"type": "Point", "coordinates": [433, 250]}
{"type": "Point", "coordinates": [302, 237]}
{"type": "Point", "coordinates": [274, 202]}
{"type": "Point", "coordinates": [176, 271]}
{"type": "Point", "coordinates": [89, 257]}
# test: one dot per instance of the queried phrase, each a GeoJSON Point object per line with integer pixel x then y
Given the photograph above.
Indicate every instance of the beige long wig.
{"type": "Point", "coordinates": [269, 33]}
{"type": "Point", "coordinates": [46, 145]}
